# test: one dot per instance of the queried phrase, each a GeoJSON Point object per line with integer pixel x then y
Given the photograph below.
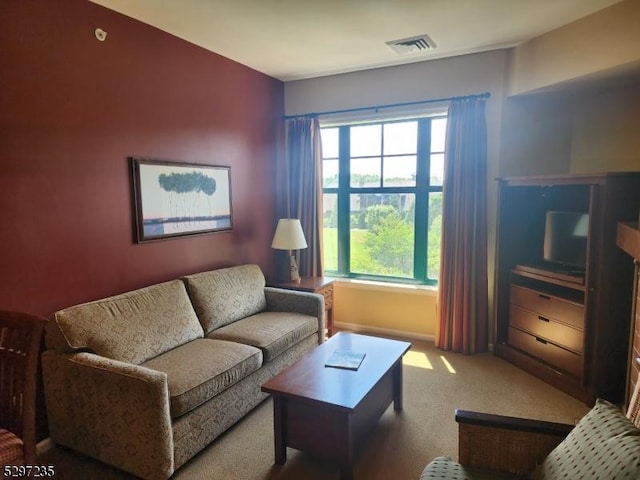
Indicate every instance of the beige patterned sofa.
{"type": "Point", "coordinates": [145, 380]}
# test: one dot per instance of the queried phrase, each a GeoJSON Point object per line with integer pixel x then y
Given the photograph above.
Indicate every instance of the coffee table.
{"type": "Point", "coordinates": [327, 411]}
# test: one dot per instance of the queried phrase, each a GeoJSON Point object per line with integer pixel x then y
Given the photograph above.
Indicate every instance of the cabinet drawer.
{"type": "Point", "coordinates": [327, 293]}
{"type": "Point", "coordinates": [548, 306]}
{"type": "Point", "coordinates": [558, 357]}
{"type": "Point", "coordinates": [543, 327]}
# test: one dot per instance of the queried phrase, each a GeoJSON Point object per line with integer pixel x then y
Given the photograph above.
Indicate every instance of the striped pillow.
{"type": "Point", "coordinates": [11, 449]}
{"type": "Point", "coordinates": [603, 445]}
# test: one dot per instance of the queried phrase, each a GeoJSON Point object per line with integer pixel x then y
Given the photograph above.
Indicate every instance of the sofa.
{"type": "Point", "coordinates": [145, 380]}
{"type": "Point", "coordinates": [605, 444]}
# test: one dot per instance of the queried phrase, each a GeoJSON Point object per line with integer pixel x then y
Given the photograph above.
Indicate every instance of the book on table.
{"type": "Point", "coordinates": [345, 359]}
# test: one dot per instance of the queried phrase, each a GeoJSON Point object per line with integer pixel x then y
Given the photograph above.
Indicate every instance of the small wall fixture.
{"type": "Point", "coordinates": [101, 34]}
{"type": "Point", "coordinates": [421, 43]}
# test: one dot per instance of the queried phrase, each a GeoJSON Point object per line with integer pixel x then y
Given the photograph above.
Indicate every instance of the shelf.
{"type": "Point", "coordinates": [558, 288]}
{"type": "Point", "coordinates": [548, 277]}
{"type": "Point", "coordinates": [628, 239]}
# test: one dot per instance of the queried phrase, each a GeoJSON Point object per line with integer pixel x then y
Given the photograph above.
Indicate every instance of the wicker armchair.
{"type": "Point", "coordinates": [496, 446]}
{"type": "Point", "coordinates": [503, 444]}
{"type": "Point", "coordinates": [20, 337]}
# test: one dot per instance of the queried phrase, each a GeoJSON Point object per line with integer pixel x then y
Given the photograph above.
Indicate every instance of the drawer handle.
{"type": "Point", "coordinates": [540, 340]}
{"type": "Point", "coordinates": [544, 319]}
{"type": "Point", "coordinates": [546, 297]}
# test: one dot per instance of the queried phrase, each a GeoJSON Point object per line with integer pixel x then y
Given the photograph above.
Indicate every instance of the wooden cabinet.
{"type": "Point", "coordinates": [568, 328]}
{"type": "Point", "coordinates": [548, 327]}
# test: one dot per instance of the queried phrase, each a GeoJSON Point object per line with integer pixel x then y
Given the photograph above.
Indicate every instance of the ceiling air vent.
{"type": "Point", "coordinates": [421, 43]}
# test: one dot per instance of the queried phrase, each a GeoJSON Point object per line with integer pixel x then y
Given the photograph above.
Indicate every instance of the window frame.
{"type": "Point", "coordinates": [422, 190]}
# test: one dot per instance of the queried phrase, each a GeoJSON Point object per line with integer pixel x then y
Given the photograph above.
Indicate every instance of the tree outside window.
{"type": "Point", "coordinates": [382, 185]}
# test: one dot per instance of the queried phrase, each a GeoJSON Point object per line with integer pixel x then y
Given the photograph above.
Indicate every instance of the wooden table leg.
{"type": "Point", "coordinates": [329, 321]}
{"type": "Point", "coordinates": [346, 468]}
{"type": "Point", "coordinates": [279, 430]}
{"type": "Point", "coordinates": [397, 385]}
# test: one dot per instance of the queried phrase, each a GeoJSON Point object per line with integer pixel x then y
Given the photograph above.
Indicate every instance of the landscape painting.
{"type": "Point", "coordinates": [176, 199]}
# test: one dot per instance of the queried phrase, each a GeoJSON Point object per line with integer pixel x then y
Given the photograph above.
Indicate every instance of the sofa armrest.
{"type": "Point", "coordinates": [282, 300]}
{"type": "Point", "coordinates": [505, 444]}
{"type": "Point", "coordinates": [110, 410]}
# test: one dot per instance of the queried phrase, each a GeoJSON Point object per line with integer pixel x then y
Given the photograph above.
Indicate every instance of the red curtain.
{"type": "Point", "coordinates": [300, 188]}
{"type": "Point", "coordinates": [462, 288]}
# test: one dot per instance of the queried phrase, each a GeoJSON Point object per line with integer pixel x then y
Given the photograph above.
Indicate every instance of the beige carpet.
{"type": "Point", "coordinates": [435, 383]}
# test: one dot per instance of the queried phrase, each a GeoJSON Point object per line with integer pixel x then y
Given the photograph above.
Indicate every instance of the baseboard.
{"type": "Point", "coordinates": [355, 327]}
{"type": "Point", "coordinates": [43, 446]}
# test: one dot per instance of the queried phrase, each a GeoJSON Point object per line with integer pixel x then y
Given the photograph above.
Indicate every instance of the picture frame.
{"type": "Point", "coordinates": [175, 199]}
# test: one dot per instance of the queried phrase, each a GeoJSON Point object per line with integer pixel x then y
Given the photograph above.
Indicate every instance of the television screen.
{"type": "Point", "coordinates": [565, 238]}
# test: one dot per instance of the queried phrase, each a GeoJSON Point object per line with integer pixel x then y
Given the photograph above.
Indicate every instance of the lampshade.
{"type": "Point", "coordinates": [289, 235]}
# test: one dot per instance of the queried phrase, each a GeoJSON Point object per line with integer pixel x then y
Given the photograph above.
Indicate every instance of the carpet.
{"type": "Point", "coordinates": [435, 384]}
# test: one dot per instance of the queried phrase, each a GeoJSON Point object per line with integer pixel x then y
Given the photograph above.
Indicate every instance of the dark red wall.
{"type": "Point", "coordinates": [72, 109]}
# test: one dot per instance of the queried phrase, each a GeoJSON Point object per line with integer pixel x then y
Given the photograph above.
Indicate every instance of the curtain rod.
{"type": "Point", "coordinates": [479, 96]}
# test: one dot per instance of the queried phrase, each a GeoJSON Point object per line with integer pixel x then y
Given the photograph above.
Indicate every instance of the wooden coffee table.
{"type": "Point", "coordinates": [326, 411]}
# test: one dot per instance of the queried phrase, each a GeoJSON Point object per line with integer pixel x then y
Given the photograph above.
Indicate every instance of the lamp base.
{"type": "Point", "coordinates": [294, 276]}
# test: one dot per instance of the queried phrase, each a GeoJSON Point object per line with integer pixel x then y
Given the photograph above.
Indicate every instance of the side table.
{"type": "Point", "coordinates": [319, 285]}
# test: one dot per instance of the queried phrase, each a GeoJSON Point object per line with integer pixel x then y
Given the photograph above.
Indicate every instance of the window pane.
{"type": "Point", "coordinates": [436, 173]}
{"type": "Point", "coordinates": [365, 172]}
{"type": "Point", "coordinates": [330, 173]}
{"type": "Point", "coordinates": [400, 171]}
{"type": "Point", "coordinates": [382, 234]}
{"type": "Point", "coordinates": [330, 231]}
{"type": "Point", "coordinates": [366, 140]}
{"type": "Point", "coordinates": [329, 137]}
{"type": "Point", "coordinates": [400, 138]}
{"type": "Point", "coordinates": [434, 235]}
{"type": "Point", "coordinates": [438, 132]}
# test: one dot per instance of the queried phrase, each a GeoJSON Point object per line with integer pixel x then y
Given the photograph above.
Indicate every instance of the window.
{"type": "Point", "coordinates": [382, 193]}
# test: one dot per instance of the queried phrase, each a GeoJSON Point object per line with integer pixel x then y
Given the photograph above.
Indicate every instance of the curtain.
{"type": "Point", "coordinates": [300, 188]}
{"type": "Point", "coordinates": [462, 325]}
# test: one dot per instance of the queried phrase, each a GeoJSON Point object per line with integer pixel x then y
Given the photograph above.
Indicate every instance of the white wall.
{"type": "Point", "coordinates": [456, 76]}
{"type": "Point", "coordinates": [462, 75]}
{"type": "Point", "coordinates": [605, 42]}
{"type": "Point", "coordinates": [606, 130]}
{"type": "Point", "coordinates": [565, 128]}
{"type": "Point", "coordinates": [586, 130]}
{"type": "Point", "coordinates": [535, 135]}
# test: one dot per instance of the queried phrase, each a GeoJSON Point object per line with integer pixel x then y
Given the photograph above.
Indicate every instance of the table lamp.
{"type": "Point", "coordinates": [289, 236]}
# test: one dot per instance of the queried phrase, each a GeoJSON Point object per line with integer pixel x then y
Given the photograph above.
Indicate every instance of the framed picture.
{"type": "Point", "coordinates": [175, 199]}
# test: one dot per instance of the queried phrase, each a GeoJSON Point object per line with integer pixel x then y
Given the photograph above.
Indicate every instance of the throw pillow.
{"type": "Point", "coordinates": [603, 445]}
{"type": "Point", "coordinates": [444, 467]}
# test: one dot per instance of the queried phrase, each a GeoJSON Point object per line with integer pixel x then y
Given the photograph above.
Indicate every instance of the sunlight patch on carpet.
{"type": "Point", "coordinates": [416, 359]}
{"type": "Point", "coordinates": [447, 364]}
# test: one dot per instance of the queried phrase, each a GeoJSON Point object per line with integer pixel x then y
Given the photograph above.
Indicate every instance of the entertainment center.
{"type": "Point", "coordinates": [563, 287]}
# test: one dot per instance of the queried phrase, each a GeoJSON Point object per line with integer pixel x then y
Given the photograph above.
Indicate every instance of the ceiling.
{"type": "Point", "coordinates": [297, 39]}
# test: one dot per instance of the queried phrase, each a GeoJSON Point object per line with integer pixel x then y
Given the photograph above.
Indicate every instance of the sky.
{"type": "Point", "coordinates": [400, 138]}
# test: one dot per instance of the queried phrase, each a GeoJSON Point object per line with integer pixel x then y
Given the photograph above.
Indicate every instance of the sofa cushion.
{"type": "Point", "coordinates": [444, 468]}
{"type": "Point", "coordinates": [604, 444]}
{"type": "Point", "coordinates": [271, 332]}
{"type": "Point", "coordinates": [223, 296]}
{"type": "Point", "coordinates": [131, 327]}
{"type": "Point", "coordinates": [199, 370]}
